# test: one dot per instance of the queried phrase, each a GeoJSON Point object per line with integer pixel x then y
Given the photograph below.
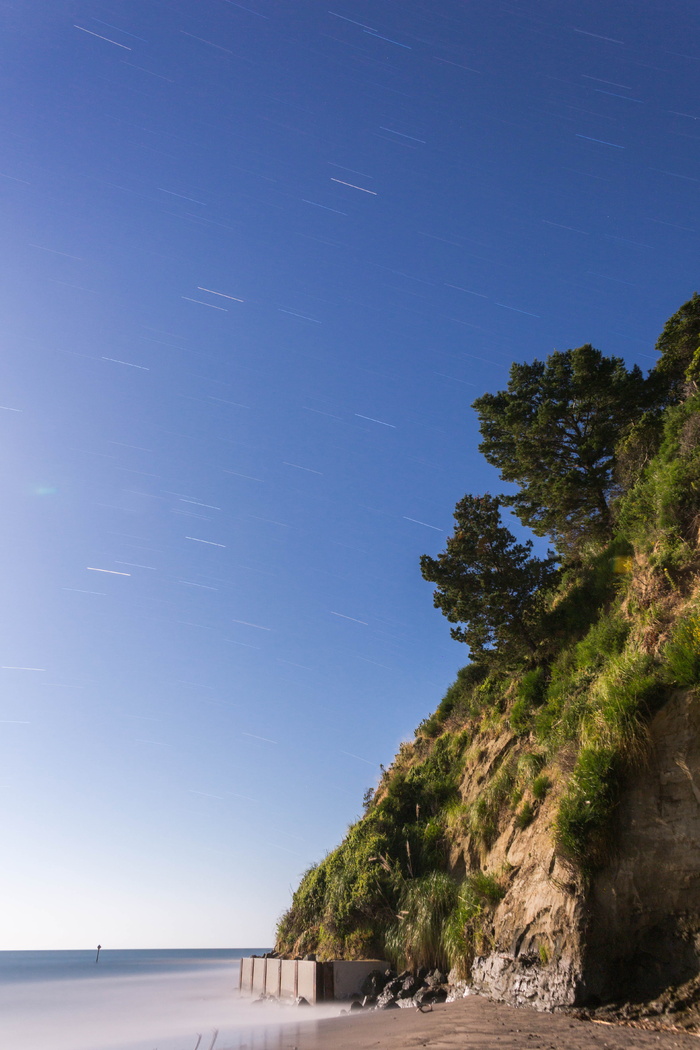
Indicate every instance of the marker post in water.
{"type": "Point", "coordinates": [97, 957]}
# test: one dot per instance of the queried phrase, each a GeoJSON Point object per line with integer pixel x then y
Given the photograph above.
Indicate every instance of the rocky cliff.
{"type": "Point", "coordinates": [634, 930]}
{"type": "Point", "coordinates": [540, 836]}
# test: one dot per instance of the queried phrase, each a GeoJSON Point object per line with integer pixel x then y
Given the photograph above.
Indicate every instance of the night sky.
{"type": "Point", "coordinates": [258, 260]}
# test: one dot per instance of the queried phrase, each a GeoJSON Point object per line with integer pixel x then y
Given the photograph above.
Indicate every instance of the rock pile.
{"type": "Point", "coordinates": [391, 990]}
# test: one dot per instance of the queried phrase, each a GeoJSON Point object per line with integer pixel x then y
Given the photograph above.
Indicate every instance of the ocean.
{"type": "Point", "coordinates": [172, 999]}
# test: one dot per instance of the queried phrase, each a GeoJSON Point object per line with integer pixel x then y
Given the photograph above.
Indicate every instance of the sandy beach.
{"type": "Point", "coordinates": [474, 1023]}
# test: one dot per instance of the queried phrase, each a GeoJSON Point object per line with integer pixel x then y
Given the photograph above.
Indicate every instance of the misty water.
{"type": "Point", "coordinates": [138, 1000]}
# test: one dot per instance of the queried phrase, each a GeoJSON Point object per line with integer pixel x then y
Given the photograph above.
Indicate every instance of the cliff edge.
{"type": "Point", "coordinates": [540, 836]}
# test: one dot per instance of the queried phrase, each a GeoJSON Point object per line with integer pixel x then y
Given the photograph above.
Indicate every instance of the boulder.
{"type": "Point", "coordinates": [374, 983]}
{"type": "Point", "coordinates": [409, 986]}
{"type": "Point", "coordinates": [389, 993]}
{"type": "Point", "coordinates": [433, 993]}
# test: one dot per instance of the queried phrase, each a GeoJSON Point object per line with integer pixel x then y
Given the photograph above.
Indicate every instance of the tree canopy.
{"type": "Point", "coordinates": [488, 582]}
{"type": "Point", "coordinates": [678, 344]}
{"type": "Point", "coordinates": [553, 432]}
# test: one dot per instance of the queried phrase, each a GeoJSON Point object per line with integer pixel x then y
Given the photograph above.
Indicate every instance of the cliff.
{"type": "Point", "coordinates": [540, 836]}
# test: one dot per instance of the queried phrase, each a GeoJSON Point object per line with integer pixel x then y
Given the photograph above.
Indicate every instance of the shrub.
{"type": "Point", "coordinates": [525, 816]}
{"type": "Point", "coordinates": [585, 809]}
{"type": "Point", "coordinates": [519, 717]}
{"type": "Point", "coordinates": [487, 808]}
{"type": "Point", "coordinates": [540, 787]}
{"type": "Point", "coordinates": [465, 930]}
{"type": "Point", "coordinates": [605, 638]}
{"type": "Point", "coordinates": [531, 689]}
{"type": "Point", "coordinates": [416, 939]}
{"type": "Point", "coordinates": [682, 653]}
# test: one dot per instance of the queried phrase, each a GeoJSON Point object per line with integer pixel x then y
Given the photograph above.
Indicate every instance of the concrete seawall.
{"type": "Point", "coordinates": [316, 982]}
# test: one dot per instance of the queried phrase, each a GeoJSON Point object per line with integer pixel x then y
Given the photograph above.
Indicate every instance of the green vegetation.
{"type": "Point", "coordinates": [553, 432]}
{"type": "Point", "coordinates": [570, 659]}
{"type": "Point", "coordinates": [489, 582]}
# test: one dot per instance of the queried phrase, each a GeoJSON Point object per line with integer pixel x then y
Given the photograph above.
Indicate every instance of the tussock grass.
{"type": "Point", "coordinates": [442, 922]}
{"type": "Point", "coordinates": [682, 653]}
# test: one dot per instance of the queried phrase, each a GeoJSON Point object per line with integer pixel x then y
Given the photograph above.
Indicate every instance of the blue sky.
{"type": "Point", "coordinates": [258, 261]}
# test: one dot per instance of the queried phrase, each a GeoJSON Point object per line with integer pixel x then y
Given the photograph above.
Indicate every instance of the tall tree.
{"type": "Point", "coordinates": [678, 344]}
{"type": "Point", "coordinates": [489, 582]}
{"type": "Point", "coordinates": [553, 432]}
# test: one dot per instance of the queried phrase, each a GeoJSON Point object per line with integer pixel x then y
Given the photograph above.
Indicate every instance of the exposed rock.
{"type": "Point", "coordinates": [389, 993]}
{"type": "Point", "coordinates": [434, 993]}
{"type": "Point", "coordinates": [374, 982]}
{"type": "Point", "coordinates": [409, 987]}
{"type": "Point", "coordinates": [635, 930]}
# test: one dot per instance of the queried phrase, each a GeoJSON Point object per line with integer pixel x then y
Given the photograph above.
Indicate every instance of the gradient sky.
{"type": "Point", "coordinates": [259, 259]}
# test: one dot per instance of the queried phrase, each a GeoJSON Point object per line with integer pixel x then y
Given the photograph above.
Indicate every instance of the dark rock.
{"type": "Point", "coordinates": [369, 1000]}
{"type": "Point", "coordinates": [374, 983]}
{"type": "Point", "coordinates": [310, 957]}
{"type": "Point", "coordinates": [354, 1005]}
{"type": "Point", "coordinates": [390, 1004]}
{"type": "Point", "coordinates": [301, 1001]}
{"type": "Point", "coordinates": [435, 993]}
{"type": "Point", "coordinates": [409, 986]}
{"type": "Point", "coordinates": [435, 977]}
{"type": "Point", "coordinates": [389, 993]}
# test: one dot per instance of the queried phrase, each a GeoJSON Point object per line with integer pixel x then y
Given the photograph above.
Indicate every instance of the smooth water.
{"type": "Point", "coordinates": [137, 1000]}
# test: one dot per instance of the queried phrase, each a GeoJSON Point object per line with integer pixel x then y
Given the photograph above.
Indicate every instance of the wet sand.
{"type": "Point", "coordinates": [475, 1024]}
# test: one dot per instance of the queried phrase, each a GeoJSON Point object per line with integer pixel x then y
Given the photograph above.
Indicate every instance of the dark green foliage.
{"type": "Point", "coordinates": [682, 653]}
{"type": "Point", "coordinates": [533, 684]}
{"type": "Point", "coordinates": [540, 787]}
{"type": "Point", "coordinates": [586, 586]}
{"type": "Point", "coordinates": [637, 447]}
{"type": "Point", "coordinates": [416, 939]}
{"type": "Point", "coordinates": [489, 582]}
{"type": "Point", "coordinates": [678, 344]}
{"type": "Point", "coordinates": [606, 638]}
{"type": "Point", "coordinates": [530, 694]}
{"type": "Point", "coordinates": [553, 432]}
{"type": "Point", "coordinates": [661, 513]}
{"type": "Point", "coordinates": [585, 810]}
{"type": "Point", "coordinates": [441, 921]}
{"type": "Point", "coordinates": [612, 725]}
{"type": "Point", "coordinates": [457, 701]}
{"type": "Point", "coordinates": [519, 717]}
{"type": "Point", "coordinates": [501, 791]}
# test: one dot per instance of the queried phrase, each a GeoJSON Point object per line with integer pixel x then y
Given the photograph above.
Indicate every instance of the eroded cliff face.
{"type": "Point", "coordinates": [634, 930]}
{"type": "Point", "coordinates": [644, 927]}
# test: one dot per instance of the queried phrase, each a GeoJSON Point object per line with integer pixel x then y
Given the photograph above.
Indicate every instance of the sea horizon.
{"type": "Point", "coordinates": [135, 999]}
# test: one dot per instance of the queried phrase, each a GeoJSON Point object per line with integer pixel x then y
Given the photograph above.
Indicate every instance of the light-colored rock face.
{"type": "Point", "coordinates": [637, 927]}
